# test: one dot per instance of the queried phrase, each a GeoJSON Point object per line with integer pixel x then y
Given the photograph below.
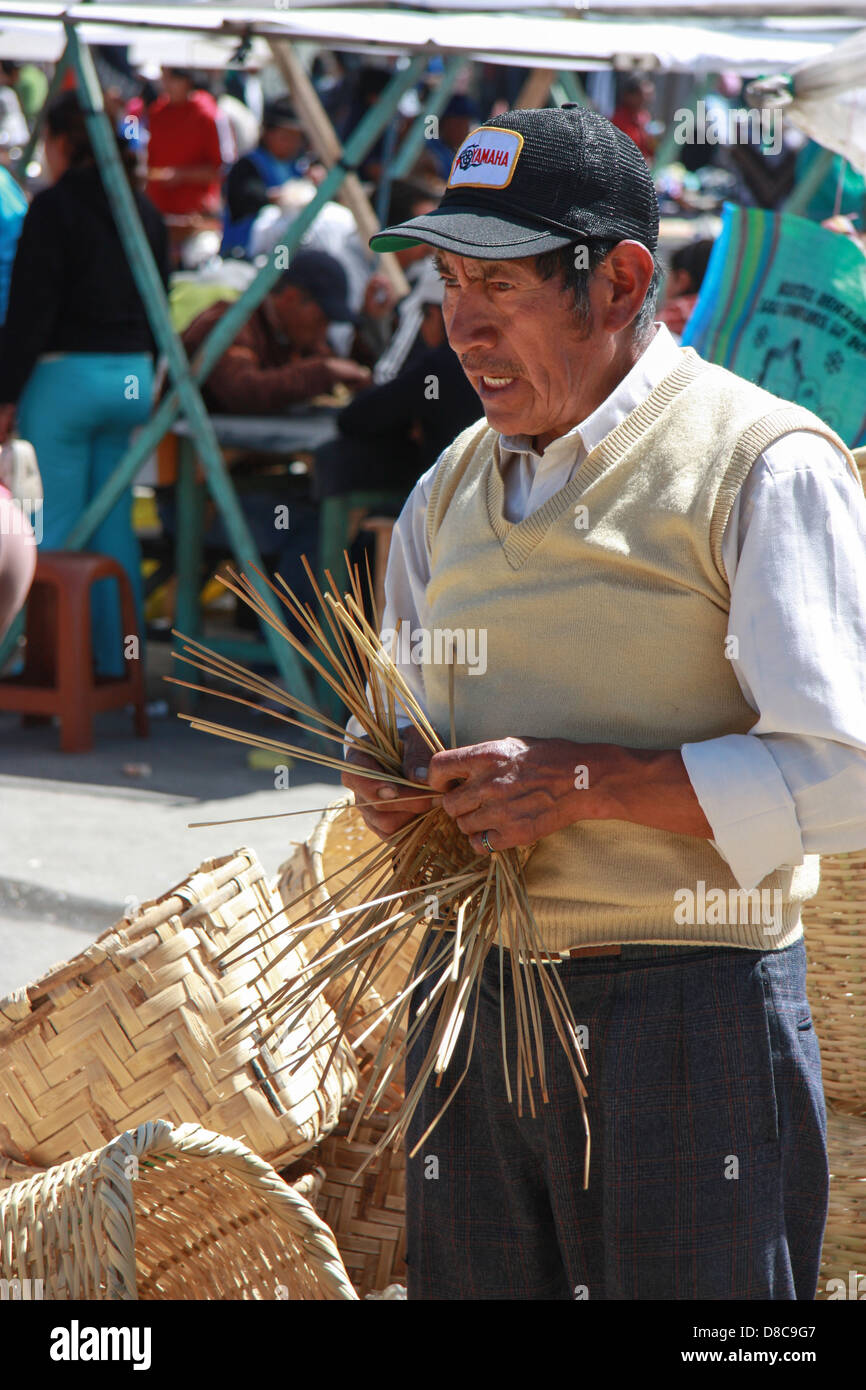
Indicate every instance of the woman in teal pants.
{"type": "Point", "coordinates": [76, 357]}
{"type": "Point", "coordinates": [77, 415]}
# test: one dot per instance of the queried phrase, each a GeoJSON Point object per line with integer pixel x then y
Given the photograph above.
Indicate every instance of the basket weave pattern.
{"type": "Point", "coordinates": [324, 866]}
{"type": "Point", "coordinates": [844, 1251]}
{"type": "Point", "coordinates": [833, 923]}
{"type": "Point", "coordinates": [367, 1214]}
{"type": "Point", "coordinates": [168, 1213]}
{"type": "Point", "coordinates": [135, 1026]}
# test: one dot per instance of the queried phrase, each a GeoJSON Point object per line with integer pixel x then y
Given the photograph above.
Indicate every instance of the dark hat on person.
{"type": "Point", "coordinates": [462, 105]}
{"type": "Point", "coordinates": [279, 114]}
{"type": "Point", "coordinates": [532, 181]}
{"type": "Point", "coordinates": [324, 280]}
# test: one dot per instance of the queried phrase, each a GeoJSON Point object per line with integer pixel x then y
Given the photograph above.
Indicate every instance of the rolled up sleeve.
{"type": "Point", "coordinates": [795, 551]}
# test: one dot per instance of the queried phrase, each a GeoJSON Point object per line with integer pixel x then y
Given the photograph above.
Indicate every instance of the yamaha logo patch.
{"type": "Point", "coordinates": [486, 159]}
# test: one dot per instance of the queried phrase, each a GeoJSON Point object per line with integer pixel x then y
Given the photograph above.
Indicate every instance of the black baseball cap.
{"type": "Point", "coordinates": [279, 114]}
{"type": "Point", "coordinates": [324, 280]}
{"type": "Point", "coordinates": [532, 181]}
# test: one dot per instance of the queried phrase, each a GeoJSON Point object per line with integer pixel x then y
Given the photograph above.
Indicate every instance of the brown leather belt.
{"type": "Point", "coordinates": [576, 952]}
{"type": "Point", "coordinates": [591, 951]}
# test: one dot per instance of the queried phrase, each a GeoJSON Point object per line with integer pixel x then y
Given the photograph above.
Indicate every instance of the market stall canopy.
{"type": "Point", "coordinates": [826, 98]}
{"type": "Point", "coordinates": [160, 32]}
{"type": "Point", "coordinates": [34, 33]}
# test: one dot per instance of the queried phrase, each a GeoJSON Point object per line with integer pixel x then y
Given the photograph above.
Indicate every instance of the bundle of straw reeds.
{"type": "Point", "coordinates": [481, 899]}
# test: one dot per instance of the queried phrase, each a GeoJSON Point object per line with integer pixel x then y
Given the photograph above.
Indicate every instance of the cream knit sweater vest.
{"type": "Point", "coordinates": [605, 613]}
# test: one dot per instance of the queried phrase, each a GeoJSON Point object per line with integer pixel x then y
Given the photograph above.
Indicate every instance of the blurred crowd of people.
{"type": "Point", "coordinates": [219, 170]}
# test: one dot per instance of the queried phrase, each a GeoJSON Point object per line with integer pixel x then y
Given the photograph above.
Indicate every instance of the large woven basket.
{"type": "Point", "coordinates": [834, 923]}
{"type": "Point", "coordinates": [167, 1213]}
{"type": "Point", "coordinates": [135, 1026]}
{"type": "Point", "coordinates": [366, 1213]}
{"type": "Point", "coordinates": [324, 864]}
{"type": "Point", "coordinates": [843, 1257]}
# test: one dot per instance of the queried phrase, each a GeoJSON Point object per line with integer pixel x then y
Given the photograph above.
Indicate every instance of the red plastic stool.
{"type": "Point", "coordinates": [58, 674]}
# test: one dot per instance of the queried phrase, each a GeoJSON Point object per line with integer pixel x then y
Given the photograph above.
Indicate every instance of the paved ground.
{"type": "Point", "coordinates": [82, 833]}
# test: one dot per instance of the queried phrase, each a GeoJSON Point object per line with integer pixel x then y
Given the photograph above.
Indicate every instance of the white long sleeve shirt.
{"type": "Point", "coordinates": [795, 553]}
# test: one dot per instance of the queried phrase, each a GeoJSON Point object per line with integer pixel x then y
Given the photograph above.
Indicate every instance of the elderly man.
{"type": "Point", "coordinates": [668, 567]}
{"type": "Point", "coordinates": [258, 179]}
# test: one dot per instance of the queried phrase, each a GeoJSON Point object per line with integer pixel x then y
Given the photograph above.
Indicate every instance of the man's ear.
{"type": "Point", "coordinates": [628, 269]}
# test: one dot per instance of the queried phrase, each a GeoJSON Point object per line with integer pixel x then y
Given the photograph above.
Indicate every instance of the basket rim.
{"type": "Point", "coordinates": [22, 1002]}
{"type": "Point", "coordinates": [161, 1138]}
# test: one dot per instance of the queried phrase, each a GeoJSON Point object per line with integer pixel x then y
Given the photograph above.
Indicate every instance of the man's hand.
{"type": "Point", "coordinates": [171, 174]}
{"type": "Point", "coordinates": [516, 789]}
{"type": "Point", "coordinates": [352, 373]}
{"type": "Point", "coordinates": [379, 296]}
{"type": "Point", "coordinates": [372, 797]}
{"type": "Point", "coordinates": [521, 789]}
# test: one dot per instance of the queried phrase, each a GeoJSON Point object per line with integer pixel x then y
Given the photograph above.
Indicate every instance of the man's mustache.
{"type": "Point", "coordinates": [486, 370]}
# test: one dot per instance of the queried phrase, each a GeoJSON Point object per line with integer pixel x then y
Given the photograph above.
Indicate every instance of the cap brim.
{"type": "Point", "coordinates": [469, 231]}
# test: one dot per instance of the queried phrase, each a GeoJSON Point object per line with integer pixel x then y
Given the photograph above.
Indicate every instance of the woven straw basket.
{"type": "Point", "coordinates": [324, 864]}
{"type": "Point", "coordinates": [834, 922]}
{"type": "Point", "coordinates": [843, 1256]}
{"type": "Point", "coordinates": [168, 1213]}
{"type": "Point", "coordinates": [133, 1027]}
{"type": "Point", "coordinates": [366, 1213]}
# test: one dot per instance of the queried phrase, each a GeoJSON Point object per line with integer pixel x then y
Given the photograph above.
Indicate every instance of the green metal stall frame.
{"type": "Point", "coordinates": [187, 376]}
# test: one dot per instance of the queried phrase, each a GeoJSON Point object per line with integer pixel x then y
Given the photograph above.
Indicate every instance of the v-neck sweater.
{"type": "Point", "coordinates": [603, 619]}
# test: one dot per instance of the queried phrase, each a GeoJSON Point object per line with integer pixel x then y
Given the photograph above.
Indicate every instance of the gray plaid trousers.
{"type": "Point", "coordinates": [708, 1174]}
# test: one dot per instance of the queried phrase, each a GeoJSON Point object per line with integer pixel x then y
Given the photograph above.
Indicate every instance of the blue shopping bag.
{"type": "Point", "coordinates": [783, 304]}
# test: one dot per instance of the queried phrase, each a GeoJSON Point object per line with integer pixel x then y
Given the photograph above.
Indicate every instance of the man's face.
{"type": "Point", "coordinates": [641, 98]}
{"type": "Point", "coordinates": [519, 341]}
{"type": "Point", "coordinates": [176, 88]}
{"type": "Point", "coordinates": [301, 317]}
{"type": "Point", "coordinates": [283, 142]}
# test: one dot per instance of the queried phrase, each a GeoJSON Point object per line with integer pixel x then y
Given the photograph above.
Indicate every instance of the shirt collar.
{"type": "Point", "coordinates": [655, 362]}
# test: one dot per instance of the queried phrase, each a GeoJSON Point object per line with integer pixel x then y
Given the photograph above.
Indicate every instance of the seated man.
{"type": "Point", "coordinates": [391, 433]}
{"type": "Point", "coordinates": [335, 231]}
{"type": "Point", "coordinates": [281, 355]}
{"type": "Point", "coordinates": [258, 180]}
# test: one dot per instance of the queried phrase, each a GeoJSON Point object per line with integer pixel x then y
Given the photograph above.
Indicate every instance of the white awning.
{"type": "Point", "coordinates": [829, 99]}
{"type": "Point", "coordinates": [157, 33]}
